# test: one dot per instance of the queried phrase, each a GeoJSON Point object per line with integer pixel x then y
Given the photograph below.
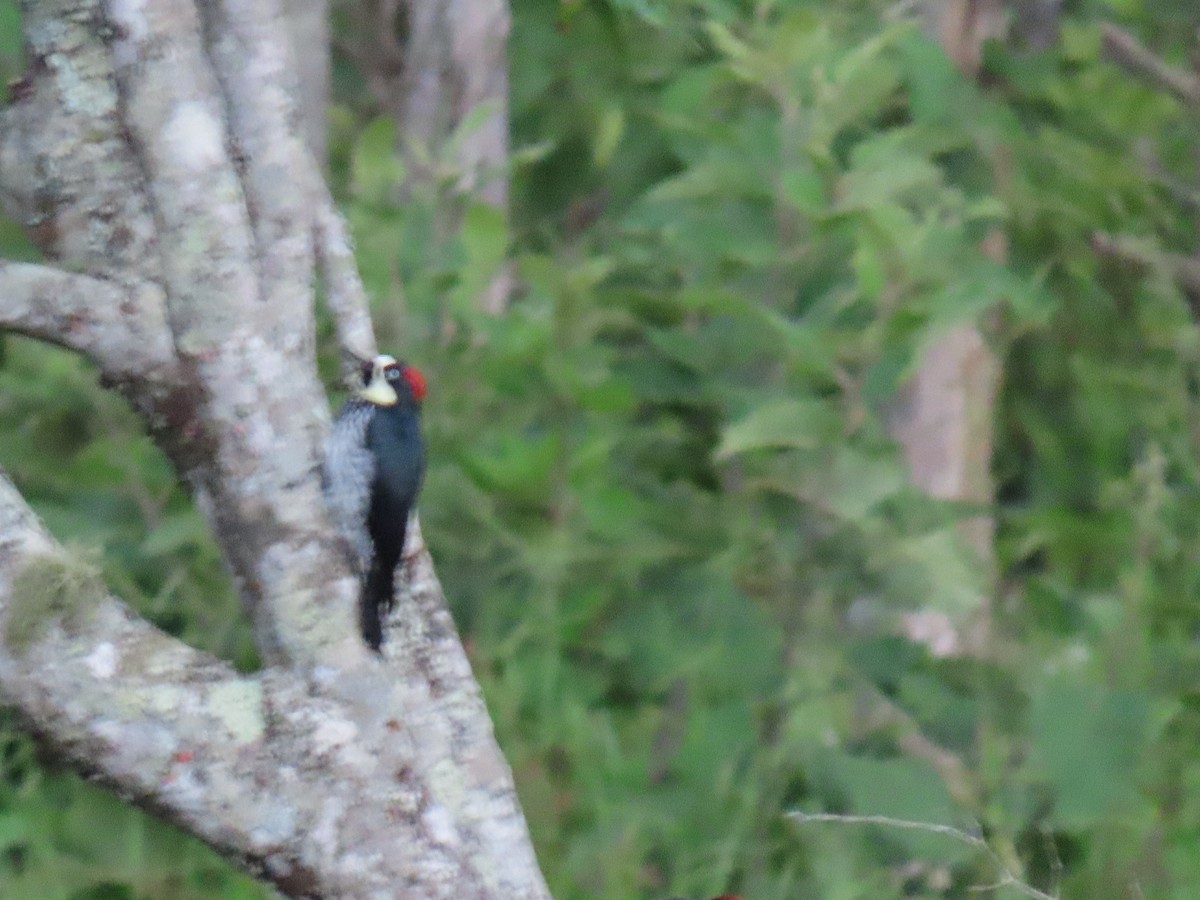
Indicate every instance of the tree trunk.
{"type": "Point", "coordinates": [153, 152]}
{"type": "Point", "coordinates": [944, 417]}
{"type": "Point", "coordinates": [308, 33]}
{"type": "Point", "coordinates": [439, 69]}
{"type": "Point", "coordinates": [943, 421]}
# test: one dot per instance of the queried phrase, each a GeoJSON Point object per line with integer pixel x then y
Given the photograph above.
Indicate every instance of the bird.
{"type": "Point", "coordinates": [374, 465]}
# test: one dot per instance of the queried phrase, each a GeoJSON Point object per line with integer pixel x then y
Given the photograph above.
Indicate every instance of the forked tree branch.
{"type": "Point", "coordinates": [152, 150]}
{"type": "Point", "coordinates": [220, 754]}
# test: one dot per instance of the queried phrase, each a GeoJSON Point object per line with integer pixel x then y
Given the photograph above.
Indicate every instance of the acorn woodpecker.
{"type": "Point", "coordinates": [374, 461]}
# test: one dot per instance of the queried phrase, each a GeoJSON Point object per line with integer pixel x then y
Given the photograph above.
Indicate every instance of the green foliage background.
{"type": "Point", "coordinates": [662, 497]}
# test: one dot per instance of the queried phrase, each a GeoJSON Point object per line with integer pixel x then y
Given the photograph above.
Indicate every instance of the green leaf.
{"type": "Point", "coordinates": [904, 789]}
{"type": "Point", "coordinates": [14, 828]}
{"type": "Point", "coordinates": [376, 167]}
{"type": "Point", "coordinates": [887, 173]}
{"type": "Point", "coordinates": [804, 189]}
{"type": "Point", "coordinates": [858, 481]}
{"type": "Point", "coordinates": [1089, 741]}
{"type": "Point", "coordinates": [181, 529]}
{"type": "Point", "coordinates": [932, 78]}
{"type": "Point", "coordinates": [484, 237]}
{"type": "Point", "coordinates": [519, 465]}
{"type": "Point", "coordinates": [725, 42]}
{"type": "Point", "coordinates": [869, 269]}
{"type": "Point", "coordinates": [530, 154]}
{"type": "Point", "coordinates": [865, 80]}
{"type": "Point", "coordinates": [608, 135]}
{"type": "Point", "coordinates": [11, 48]}
{"type": "Point", "coordinates": [935, 570]}
{"type": "Point", "coordinates": [802, 423]}
{"type": "Point", "coordinates": [980, 287]}
{"type": "Point", "coordinates": [475, 119]}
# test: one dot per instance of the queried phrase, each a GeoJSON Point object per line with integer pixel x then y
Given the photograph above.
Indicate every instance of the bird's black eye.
{"type": "Point", "coordinates": [393, 374]}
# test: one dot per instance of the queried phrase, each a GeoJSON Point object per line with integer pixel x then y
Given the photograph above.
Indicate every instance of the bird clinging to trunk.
{"type": "Point", "coordinates": [374, 462]}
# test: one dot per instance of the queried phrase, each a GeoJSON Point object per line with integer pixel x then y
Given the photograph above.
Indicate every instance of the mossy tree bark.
{"type": "Point", "coordinates": [153, 152]}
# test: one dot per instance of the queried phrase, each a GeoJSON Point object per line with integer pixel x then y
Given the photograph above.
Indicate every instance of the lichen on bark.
{"type": "Point", "coordinates": [144, 153]}
{"type": "Point", "coordinates": [58, 587]}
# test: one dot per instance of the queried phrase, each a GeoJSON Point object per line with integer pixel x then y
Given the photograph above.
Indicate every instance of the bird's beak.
{"type": "Point", "coordinates": [378, 391]}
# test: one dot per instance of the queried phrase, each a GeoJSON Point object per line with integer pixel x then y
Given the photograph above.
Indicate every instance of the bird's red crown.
{"type": "Point", "coordinates": [416, 381]}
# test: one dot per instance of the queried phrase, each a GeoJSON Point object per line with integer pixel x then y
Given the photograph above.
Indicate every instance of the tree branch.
{"type": "Point", "coordinates": [1126, 51]}
{"type": "Point", "coordinates": [344, 293]}
{"type": "Point", "coordinates": [309, 36]}
{"type": "Point", "coordinates": [237, 317]}
{"type": "Point", "coordinates": [122, 329]}
{"type": "Point", "coordinates": [169, 104]}
{"type": "Point", "coordinates": [250, 58]}
{"type": "Point", "coordinates": [333, 773]}
{"type": "Point", "coordinates": [147, 714]}
{"type": "Point", "coordinates": [221, 755]}
{"type": "Point", "coordinates": [66, 170]}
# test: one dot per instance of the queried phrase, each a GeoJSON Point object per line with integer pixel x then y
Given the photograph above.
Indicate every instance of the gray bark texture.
{"type": "Point", "coordinates": [155, 154]}
{"type": "Point", "coordinates": [308, 29]}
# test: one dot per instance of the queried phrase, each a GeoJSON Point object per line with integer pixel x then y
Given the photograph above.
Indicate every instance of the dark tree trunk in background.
{"type": "Point", "coordinates": [943, 419]}
{"type": "Point", "coordinates": [944, 416]}
{"type": "Point", "coordinates": [439, 69]}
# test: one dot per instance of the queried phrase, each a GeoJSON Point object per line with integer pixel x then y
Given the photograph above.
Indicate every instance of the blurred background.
{"type": "Point", "coordinates": [814, 424]}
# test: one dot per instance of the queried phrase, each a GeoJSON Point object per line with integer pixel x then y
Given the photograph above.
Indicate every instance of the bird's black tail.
{"type": "Point", "coordinates": [378, 596]}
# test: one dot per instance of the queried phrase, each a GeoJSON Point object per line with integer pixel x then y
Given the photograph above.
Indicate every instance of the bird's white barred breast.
{"type": "Point", "coordinates": [347, 476]}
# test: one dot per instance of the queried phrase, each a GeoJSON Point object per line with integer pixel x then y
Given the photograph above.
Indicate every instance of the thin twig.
{"type": "Point", "coordinates": [1133, 56]}
{"type": "Point", "coordinates": [1007, 878]}
{"type": "Point", "coordinates": [948, 830]}
{"type": "Point", "coordinates": [1181, 192]}
{"type": "Point", "coordinates": [1184, 269]}
{"type": "Point", "coordinates": [885, 713]}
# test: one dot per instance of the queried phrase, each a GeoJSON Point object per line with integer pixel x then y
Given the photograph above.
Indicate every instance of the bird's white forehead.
{"type": "Point", "coordinates": [382, 361]}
